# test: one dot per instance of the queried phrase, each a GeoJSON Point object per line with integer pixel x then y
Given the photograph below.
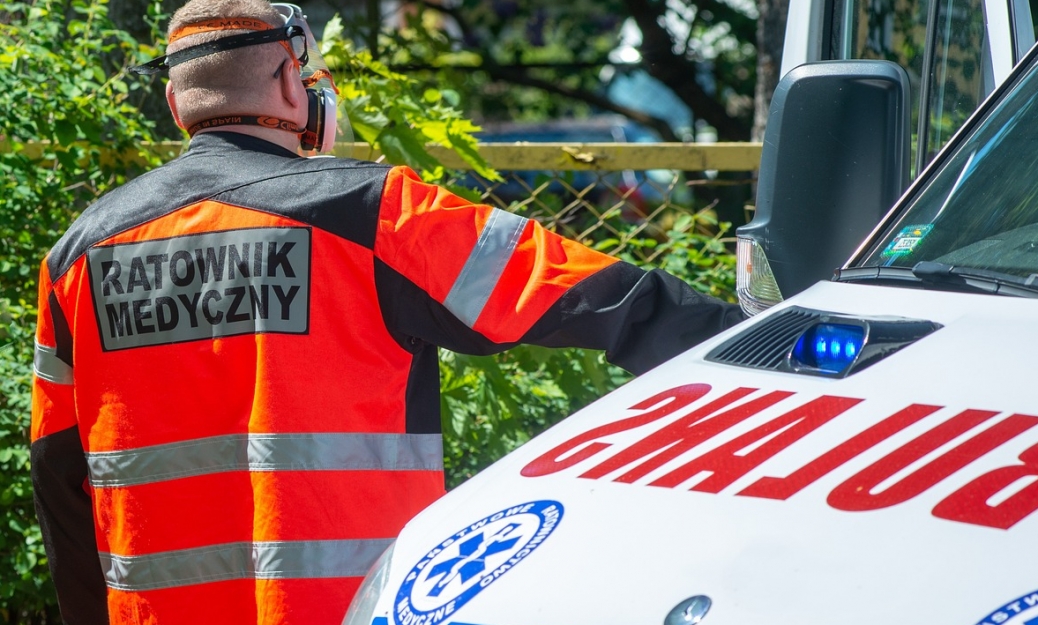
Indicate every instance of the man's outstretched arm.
{"type": "Point", "coordinates": [479, 280]}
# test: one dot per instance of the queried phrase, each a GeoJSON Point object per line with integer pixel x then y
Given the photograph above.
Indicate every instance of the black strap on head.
{"type": "Point", "coordinates": [220, 45]}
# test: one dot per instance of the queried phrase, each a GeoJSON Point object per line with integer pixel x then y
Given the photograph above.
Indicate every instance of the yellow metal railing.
{"type": "Point", "coordinates": [539, 156]}
{"type": "Point", "coordinates": [597, 156]}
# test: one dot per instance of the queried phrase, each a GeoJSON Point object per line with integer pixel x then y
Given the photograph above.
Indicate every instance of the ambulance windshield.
{"type": "Point", "coordinates": [979, 211]}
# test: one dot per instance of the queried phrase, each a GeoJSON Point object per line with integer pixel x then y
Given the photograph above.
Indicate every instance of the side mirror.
{"type": "Point", "coordinates": [836, 157]}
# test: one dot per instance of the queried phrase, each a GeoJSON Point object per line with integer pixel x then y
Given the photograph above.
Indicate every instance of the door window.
{"type": "Point", "coordinates": [940, 43]}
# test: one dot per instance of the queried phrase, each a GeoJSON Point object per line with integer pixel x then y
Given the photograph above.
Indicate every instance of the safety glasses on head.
{"type": "Point", "coordinates": [313, 69]}
{"type": "Point", "coordinates": [291, 36]}
{"type": "Point", "coordinates": [322, 121]}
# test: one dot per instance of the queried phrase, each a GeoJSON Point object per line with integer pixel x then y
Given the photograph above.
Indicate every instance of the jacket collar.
{"type": "Point", "coordinates": [224, 141]}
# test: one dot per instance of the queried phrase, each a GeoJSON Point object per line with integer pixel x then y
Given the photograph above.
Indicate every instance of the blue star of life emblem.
{"type": "Point", "coordinates": [467, 562]}
{"type": "Point", "coordinates": [472, 558]}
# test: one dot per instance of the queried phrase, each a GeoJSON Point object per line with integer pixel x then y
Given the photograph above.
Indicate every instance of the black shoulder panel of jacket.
{"type": "Point", "coordinates": [341, 196]}
{"type": "Point", "coordinates": [641, 319]}
{"type": "Point", "coordinates": [62, 332]}
{"type": "Point", "coordinates": [63, 508]}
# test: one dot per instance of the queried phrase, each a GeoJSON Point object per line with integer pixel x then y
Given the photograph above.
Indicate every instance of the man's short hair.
{"type": "Point", "coordinates": [228, 82]}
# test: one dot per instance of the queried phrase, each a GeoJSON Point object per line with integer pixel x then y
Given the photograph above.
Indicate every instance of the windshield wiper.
{"type": "Point", "coordinates": [950, 277]}
{"type": "Point", "coordinates": [984, 279]}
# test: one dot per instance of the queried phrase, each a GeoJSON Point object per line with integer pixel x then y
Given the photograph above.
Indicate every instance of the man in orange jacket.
{"type": "Point", "coordinates": [236, 406]}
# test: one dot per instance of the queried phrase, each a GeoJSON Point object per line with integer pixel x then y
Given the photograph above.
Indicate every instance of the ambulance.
{"type": "Point", "coordinates": [864, 448]}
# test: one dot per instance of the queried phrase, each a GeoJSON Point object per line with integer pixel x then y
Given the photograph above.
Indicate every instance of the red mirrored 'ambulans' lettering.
{"type": "Point", "coordinates": [998, 499]}
{"type": "Point", "coordinates": [972, 503]}
{"type": "Point", "coordinates": [664, 403]}
{"type": "Point", "coordinates": [738, 457]}
{"type": "Point", "coordinates": [856, 493]}
{"type": "Point", "coordinates": [684, 434]}
{"type": "Point", "coordinates": [784, 487]}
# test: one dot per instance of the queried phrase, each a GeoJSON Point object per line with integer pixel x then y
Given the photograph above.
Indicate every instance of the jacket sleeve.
{"type": "Point", "coordinates": [475, 279]}
{"type": "Point", "coordinates": [59, 471]}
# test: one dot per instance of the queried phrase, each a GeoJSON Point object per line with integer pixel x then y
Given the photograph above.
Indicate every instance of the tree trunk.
{"type": "Point", "coordinates": [771, 29]}
{"type": "Point", "coordinates": [129, 15]}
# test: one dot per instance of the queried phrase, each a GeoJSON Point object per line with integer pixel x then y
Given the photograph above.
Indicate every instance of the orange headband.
{"type": "Point", "coordinates": [236, 23]}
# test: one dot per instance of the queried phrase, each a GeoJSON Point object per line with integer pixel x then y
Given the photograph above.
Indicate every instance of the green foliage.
{"type": "Point", "coordinates": [26, 596]}
{"type": "Point", "coordinates": [543, 59]}
{"type": "Point", "coordinates": [562, 43]}
{"type": "Point", "coordinates": [692, 248]}
{"type": "Point", "coordinates": [493, 404]}
{"type": "Point", "coordinates": [396, 114]}
{"type": "Point", "coordinates": [65, 84]}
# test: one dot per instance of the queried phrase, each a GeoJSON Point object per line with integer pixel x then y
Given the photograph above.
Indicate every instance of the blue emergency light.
{"type": "Point", "coordinates": [805, 341]}
{"type": "Point", "coordinates": [829, 347]}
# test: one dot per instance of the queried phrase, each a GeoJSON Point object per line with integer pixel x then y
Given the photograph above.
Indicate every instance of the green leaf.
{"type": "Point", "coordinates": [401, 146]}
{"type": "Point", "coordinates": [65, 132]}
{"type": "Point", "coordinates": [452, 97]}
{"type": "Point", "coordinates": [333, 30]}
{"type": "Point", "coordinates": [469, 153]}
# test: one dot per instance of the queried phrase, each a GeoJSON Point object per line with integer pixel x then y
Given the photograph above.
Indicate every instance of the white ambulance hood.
{"type": "Point", "coordinates": [895, 495]}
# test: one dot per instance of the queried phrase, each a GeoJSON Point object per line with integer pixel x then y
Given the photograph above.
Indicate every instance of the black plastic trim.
{"type": "Point", "coordinates": [769, 345]}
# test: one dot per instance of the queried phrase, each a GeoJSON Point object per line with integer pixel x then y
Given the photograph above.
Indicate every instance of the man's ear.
{"type": "Point", "coordinates": [292, 91]}
{"type": "Point", "coordinates": [171, 100]}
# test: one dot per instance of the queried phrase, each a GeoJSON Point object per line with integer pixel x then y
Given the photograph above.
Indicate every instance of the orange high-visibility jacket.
{"type": "Point", "coordinates": [235, 407]}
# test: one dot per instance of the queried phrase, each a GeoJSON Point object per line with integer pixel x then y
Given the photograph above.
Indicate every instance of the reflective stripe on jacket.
{"type": "Point", "coordinates": [236, 406]}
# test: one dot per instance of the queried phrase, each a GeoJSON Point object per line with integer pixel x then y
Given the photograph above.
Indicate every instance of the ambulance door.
{"type": "Point", "coordinates": [955, 51]}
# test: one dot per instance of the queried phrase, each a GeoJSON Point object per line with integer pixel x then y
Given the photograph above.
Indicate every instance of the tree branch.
{"type": "Point", "coordinates": [744, 28]}
{"type": "Point", "coordinates": [679, 73]}
{"type": "Point", "coordinates": [675, 71]}
{"type": "Point", "coordinates": [518, 76]}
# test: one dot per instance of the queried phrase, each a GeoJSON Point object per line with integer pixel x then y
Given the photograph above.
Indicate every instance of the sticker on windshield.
{"type": "Point", "coordinates": [906, 240]}
{"type": "Point", "coordinates": [1020, 611]}
{"type": "Point", "coordinates": [471, 559]}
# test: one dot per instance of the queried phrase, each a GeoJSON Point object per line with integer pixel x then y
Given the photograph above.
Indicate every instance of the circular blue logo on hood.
{"type": "Point", "coordinates": [471, 559]}
{"type": "Point", "coordinates": [1020, 611]}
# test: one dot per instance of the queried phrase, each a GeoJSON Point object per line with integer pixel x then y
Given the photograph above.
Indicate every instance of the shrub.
{"type": "Point", "coordinates": [25, 594]}
{"type": "Point", "coordinates": [64, 84]}
{"type": "Point", "coordinates": [61, 90]}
